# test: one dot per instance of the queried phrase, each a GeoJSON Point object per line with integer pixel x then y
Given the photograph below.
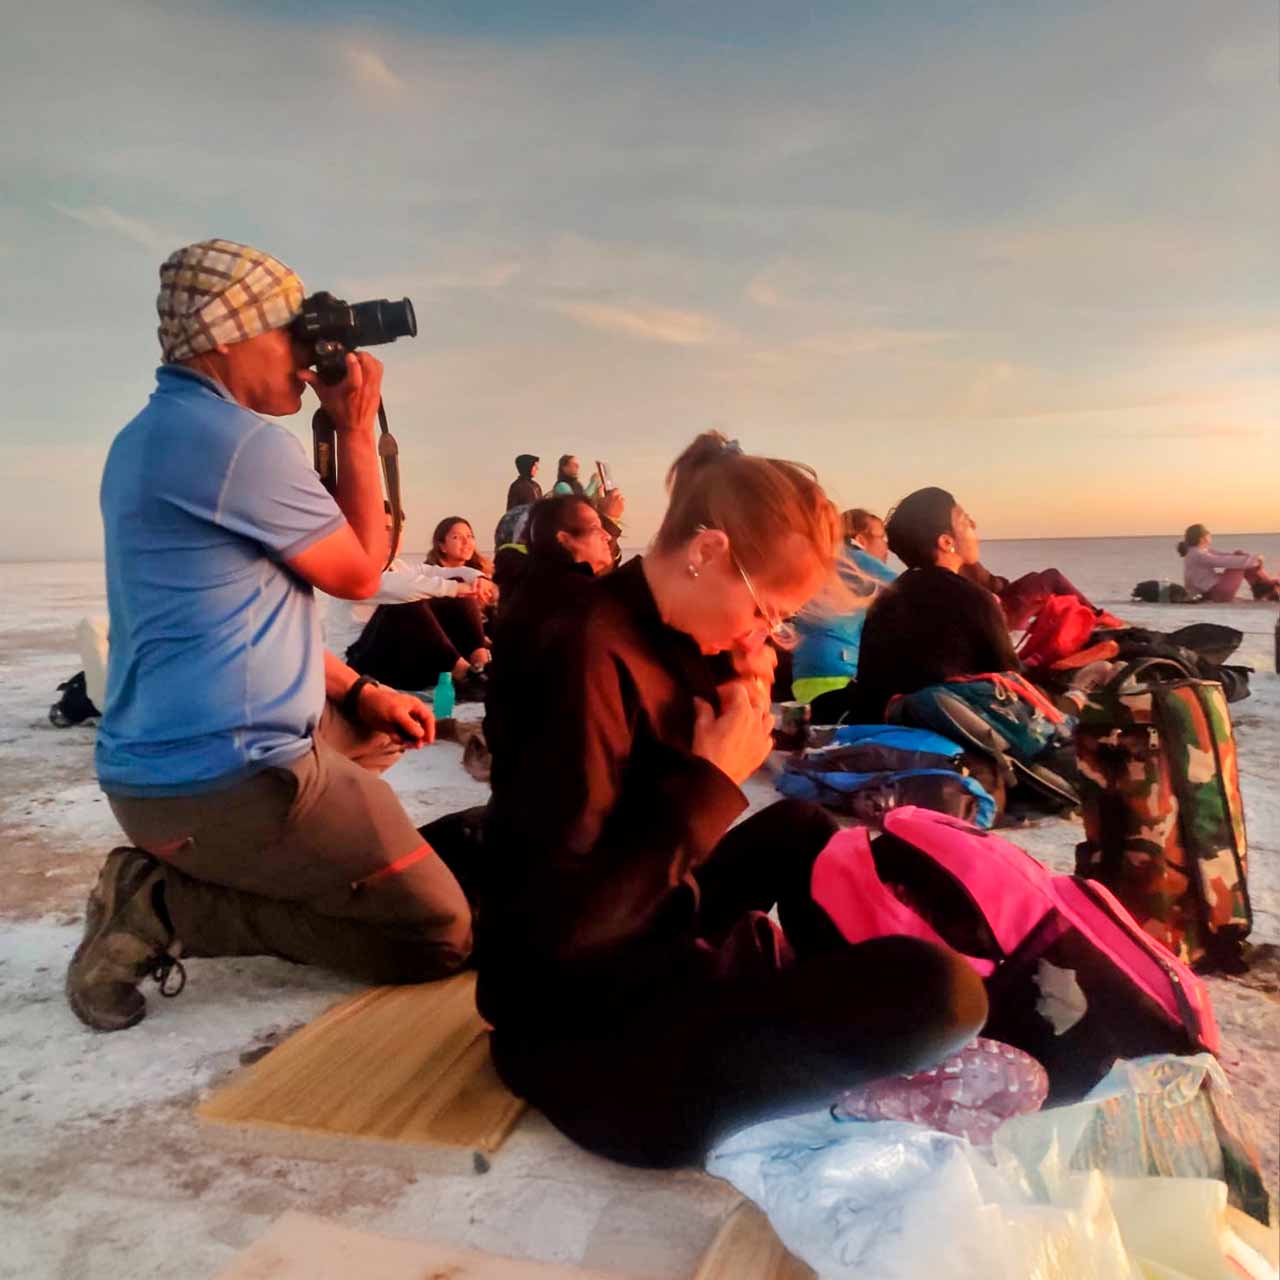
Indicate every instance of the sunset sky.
{"type": "Point", "coordinates": [1025, 252]}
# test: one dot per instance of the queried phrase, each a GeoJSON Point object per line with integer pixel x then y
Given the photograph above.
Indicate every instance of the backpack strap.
{"type": "Point", "coordinates": [389, 456]}
{"type": "Point", "coordinates": [845, 885]}
{"type": "Point", "coordinates": [1009, 888]}
{"type": "Point", "coordinates": [325, 459]}
{"type": "Point", "coordinates": [1013, 684]}
{"type": "Point", "coordinates": [1151, 669]}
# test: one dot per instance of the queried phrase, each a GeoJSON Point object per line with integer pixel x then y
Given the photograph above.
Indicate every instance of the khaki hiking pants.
{"type": "Point", "coordinates": [316, 862]}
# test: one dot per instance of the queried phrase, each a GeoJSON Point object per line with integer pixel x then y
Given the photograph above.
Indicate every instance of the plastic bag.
{"type": "Point", "coordinates": [889, 1201]}
{"type": "Point", "coordinates": [1163, 1115]}
{"type": "Point", "coordinates": [1066, 1195]}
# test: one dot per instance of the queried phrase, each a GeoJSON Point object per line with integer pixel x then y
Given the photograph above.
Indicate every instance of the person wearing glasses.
{"type": "Point", "coordinates": [641, 995]}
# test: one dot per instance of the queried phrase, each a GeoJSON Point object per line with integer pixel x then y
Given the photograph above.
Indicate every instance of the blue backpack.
{"type": "Point", "coordinates": [1003, 716]}
{"type": "Point", "coordinates": [869, 769]}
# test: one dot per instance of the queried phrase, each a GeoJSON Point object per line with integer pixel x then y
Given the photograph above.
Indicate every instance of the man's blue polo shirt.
{"type": "Point", "coordinates": [216, 666]}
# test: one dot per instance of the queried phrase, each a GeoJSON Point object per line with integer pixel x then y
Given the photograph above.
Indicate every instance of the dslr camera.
{"type": "Point", "coordinates": [329, 328]}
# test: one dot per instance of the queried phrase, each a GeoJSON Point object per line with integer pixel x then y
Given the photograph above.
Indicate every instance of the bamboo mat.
{"type": "Point", "coordinates": [300, 1247]}
{"type": "Point", "coordinates": [747, 1248]}
{"type": "Point", "coordinates": [399, 1067]}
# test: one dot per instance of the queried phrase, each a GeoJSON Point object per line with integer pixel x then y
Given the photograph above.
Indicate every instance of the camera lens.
{"type": "Point", "coordinates": [374, 323]}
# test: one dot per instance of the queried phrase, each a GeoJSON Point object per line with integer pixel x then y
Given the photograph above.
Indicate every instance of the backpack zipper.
{"type": "Point", "coordinates": [1191, 1019]}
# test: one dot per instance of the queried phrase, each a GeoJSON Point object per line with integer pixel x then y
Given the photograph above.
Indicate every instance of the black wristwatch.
{"type": "Point", "coordinates": [350, 704]}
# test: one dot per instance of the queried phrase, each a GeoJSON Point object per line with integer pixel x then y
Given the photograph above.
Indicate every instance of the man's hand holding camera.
{"type": "Point", "coordinates": [351, 404]}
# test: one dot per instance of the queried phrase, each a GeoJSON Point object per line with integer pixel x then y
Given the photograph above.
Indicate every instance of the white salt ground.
{"type": "Point", "coordinates": [102, 1168]}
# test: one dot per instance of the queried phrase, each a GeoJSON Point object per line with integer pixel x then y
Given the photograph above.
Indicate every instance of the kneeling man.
{"type": "Point", "coordinates": [240, 758]}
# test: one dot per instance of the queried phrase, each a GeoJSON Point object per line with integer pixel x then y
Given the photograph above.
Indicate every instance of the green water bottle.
{"type": "Point", "coordinates": [443, 698]}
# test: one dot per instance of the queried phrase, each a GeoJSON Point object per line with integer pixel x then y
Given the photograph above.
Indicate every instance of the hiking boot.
{"type": "Point", "coordinates": [125, 939]}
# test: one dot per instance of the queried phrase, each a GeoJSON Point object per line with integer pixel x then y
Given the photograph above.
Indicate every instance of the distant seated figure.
{"type": "Point", "coordinates": [932, 623]}
{"type": "Point", "coordinates": [825, 659]}
{"type": "Point", "coordinates": [453, 546]}
{"type": "Point", "coordinates": [401, 583]}
{"type": "Point", "coordinates": [524, 489]}
{"type": "Point", "coordinates": [1218, 575]}
{"type": "Point", "coordinates": [409, 646]}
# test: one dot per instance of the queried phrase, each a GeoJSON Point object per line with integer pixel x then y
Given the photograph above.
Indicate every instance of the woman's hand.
{"type": "Point", "coordinates": [611, 504]}
{"type": "Point", "coordinates": [486, 590]}
{"type": "Point", "coordinates": [758, 663]}
{"type": "Point", "coordinates": [739, 739]}
{"type": "Point", "coordinates": [400, 714]}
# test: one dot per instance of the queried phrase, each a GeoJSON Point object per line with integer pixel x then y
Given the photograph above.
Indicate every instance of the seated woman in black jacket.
{"type": "Point", "coordinates": [640, 994]}
{"type": "Point", "coordinates": [932, 623]}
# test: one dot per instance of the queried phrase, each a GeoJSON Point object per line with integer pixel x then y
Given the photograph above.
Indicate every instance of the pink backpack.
{"type": "Point", "coordinates": [1071, 978]}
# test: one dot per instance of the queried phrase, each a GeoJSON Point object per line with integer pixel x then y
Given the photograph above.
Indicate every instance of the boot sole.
{"type": "Point", "coordinates": [98, 1022]}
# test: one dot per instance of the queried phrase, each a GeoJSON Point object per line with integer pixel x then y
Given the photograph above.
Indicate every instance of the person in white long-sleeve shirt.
{"type": "Point", "coordinates": [1218, 575]}
{"type": "Point", "coordinates": [402, 583]}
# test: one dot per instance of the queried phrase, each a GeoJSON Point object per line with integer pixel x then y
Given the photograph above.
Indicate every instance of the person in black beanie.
{"type": "Point", "coordinates": [932, 623]}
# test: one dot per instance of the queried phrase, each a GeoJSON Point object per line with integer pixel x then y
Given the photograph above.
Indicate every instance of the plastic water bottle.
{"type": "Point", "coordinates": [443, 699]}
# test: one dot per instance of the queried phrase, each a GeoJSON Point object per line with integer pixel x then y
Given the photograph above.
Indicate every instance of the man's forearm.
{"type": "Point", "coordinates": [338, 677]}
{"type": "Point", "coordinates": [360, 492]}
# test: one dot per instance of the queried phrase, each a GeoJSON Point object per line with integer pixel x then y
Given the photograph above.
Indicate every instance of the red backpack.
{"type": "Point", "coordinates": [1061, 627]}
{"type": "Point", "coordinates": [1070, 978]}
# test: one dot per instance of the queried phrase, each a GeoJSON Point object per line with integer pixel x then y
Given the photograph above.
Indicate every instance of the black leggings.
{"type": "Point", "coordinates": [409, 645]}
{"type": "Point", "coordinates": [659, 1085]}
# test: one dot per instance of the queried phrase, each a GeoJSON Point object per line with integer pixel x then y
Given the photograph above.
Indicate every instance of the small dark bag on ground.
{"type": "Point", "coordinates": [1201, 649]}
{"type": "Point", "coordinates": [1153, 591]}
{"type": "Point", "coordinates": [75, 705]}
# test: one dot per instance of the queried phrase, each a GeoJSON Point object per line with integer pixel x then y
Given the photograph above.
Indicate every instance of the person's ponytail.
{"type": "Point", "coordinates": [758, 502]}
{"type": "Point", "coordinates": [1193, 537]}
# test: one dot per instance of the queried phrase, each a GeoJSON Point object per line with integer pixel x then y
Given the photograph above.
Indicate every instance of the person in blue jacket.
{"type": "Point", "coordinates": [826, 657]}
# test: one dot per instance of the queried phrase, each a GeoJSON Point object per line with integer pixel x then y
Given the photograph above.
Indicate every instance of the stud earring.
{"type": "Point", "coordinates": [693, 570]}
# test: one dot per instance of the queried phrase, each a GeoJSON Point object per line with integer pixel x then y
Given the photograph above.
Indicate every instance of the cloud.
{"type": "Point", "coordinates": [369, 68]}
{"type": "Point", "coordinates": [763, 294]}
{"type": "Point", "coordinates": [104, 218]}
{"type": "Point", "coordinates": [1198, 431]}
{"type": "Point", "coordinates": [648, 323]}
{"type": "Point", "coordinates": [462, 272]}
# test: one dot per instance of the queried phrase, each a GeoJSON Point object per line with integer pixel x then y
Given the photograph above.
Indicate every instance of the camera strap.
{"type": "Point", "coordinates": [389, 456]}
{"type": "Point", "coordinates": [325, 458]}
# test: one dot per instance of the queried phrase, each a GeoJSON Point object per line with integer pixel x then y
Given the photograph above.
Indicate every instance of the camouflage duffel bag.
{"type": "Point", "coordinates": [1163, 816]}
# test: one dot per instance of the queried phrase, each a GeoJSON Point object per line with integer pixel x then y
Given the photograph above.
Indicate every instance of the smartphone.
{"type": "Point", "coordinates": [606, 480]}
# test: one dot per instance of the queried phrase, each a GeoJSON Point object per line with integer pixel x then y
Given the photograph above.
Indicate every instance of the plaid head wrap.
{"type": "Point", "coordinates": [219, 291]}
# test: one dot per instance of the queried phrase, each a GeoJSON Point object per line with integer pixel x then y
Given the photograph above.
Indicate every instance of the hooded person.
{"type": "Point", "coordinates": [524, 488]}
